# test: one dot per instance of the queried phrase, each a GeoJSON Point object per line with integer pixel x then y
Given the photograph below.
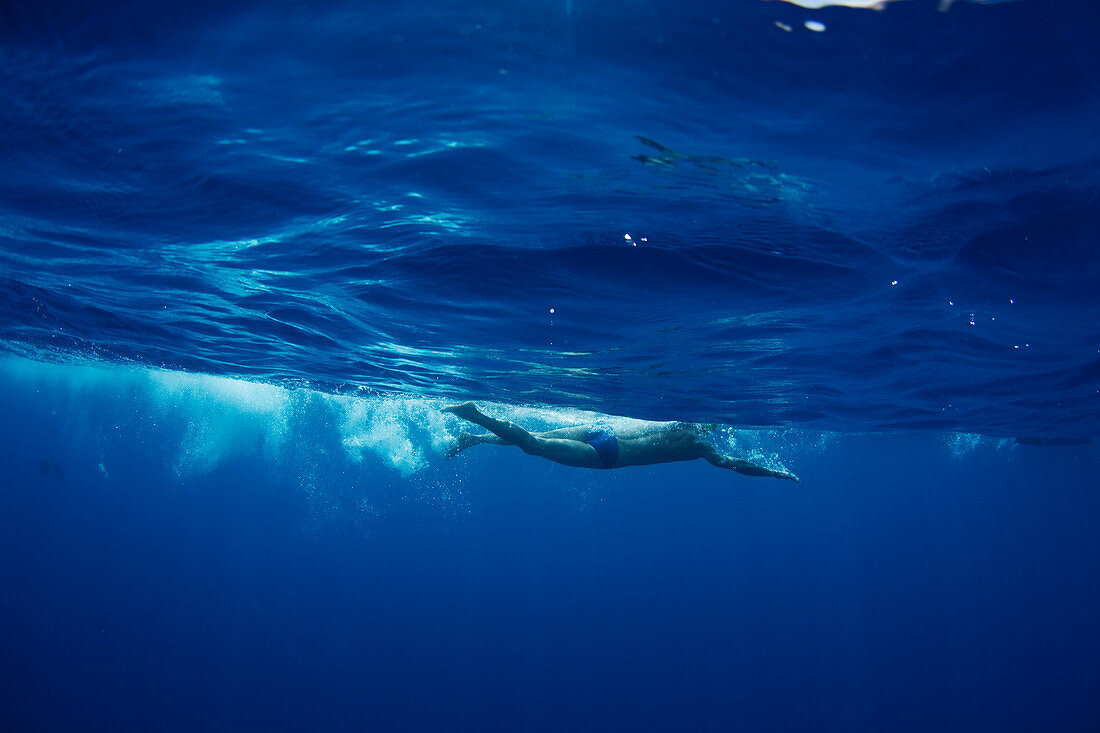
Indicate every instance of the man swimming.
{"type": "Point", "coordinates": [595, 446]}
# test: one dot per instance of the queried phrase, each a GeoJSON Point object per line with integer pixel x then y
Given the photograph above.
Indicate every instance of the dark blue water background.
{"type": "Point", "coordinates": [247, 250]}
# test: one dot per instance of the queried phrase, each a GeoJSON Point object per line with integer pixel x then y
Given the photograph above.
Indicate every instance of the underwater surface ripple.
{"type": "Point", "coordinates": [666, 211]}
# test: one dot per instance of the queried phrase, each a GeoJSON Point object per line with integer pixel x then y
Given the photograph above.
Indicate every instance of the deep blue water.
{"type": "Point", "coordinates": [248, 250]}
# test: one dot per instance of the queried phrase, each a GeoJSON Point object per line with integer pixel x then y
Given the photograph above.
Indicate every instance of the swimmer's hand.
{"type": "Point", "coordinates": [786, 475]}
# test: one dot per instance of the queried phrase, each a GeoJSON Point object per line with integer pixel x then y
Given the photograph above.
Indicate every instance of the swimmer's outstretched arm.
{"type": "Point", "coordinates": [747, 468]}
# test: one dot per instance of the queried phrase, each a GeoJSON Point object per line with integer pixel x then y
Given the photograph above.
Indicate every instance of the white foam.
{"type": "Point", "coordinates": [399, 431]}
{"type": "Point", "coordinates": [224, 417]}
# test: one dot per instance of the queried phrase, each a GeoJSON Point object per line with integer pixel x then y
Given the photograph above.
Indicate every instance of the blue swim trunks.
{"type": "Point", "coordinates": [606, 444]}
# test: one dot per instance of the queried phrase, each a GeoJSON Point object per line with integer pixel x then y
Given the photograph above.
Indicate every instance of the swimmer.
{"type": "Point", "coordinates": [595, 446]}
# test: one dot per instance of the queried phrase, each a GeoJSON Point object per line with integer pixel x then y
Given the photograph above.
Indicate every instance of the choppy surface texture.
{"type": "Point", "coordinates": [668, 210]}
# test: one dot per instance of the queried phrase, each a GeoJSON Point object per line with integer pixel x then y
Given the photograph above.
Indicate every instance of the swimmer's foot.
{"type": "Point", "coordinates": [786, 475]}
{"type": "Point", "coordinates": [464, 441]}
{"type": "Point", "coordinates": [466, 411]}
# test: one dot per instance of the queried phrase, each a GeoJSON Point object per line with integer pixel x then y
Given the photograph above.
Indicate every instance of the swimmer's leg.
{"type": "Point", "coordinates": [469, 440]}
{"type": "Point", "coordinates": [508, 432]}
{"type": "Point", "coordinates": [560, 450]}
{"type": "Point", "coordinates": [747, 468]}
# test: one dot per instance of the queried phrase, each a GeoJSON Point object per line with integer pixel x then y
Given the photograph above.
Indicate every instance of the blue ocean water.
{"type": "Point", "coordinates": [248, 250]}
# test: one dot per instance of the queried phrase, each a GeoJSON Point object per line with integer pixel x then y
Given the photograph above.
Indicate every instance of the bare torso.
{"type": "Point", "coordinates": [673, 444]}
